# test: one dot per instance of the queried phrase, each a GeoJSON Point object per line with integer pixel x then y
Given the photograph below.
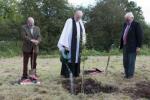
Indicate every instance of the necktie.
{"type": "Point", "coordinates": [125, 34]}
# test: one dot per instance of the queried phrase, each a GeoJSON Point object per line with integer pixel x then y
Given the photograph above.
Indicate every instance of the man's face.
{"type": "Point", "coordinates": [30, 23]}
{"type": "Point", "coordinates": [128, 19]}
{"type": "Point", "coordinates": [78, 16]}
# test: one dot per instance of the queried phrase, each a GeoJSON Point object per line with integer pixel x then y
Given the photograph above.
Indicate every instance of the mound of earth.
{"type": "Point", "coordinates": [91, 86]}
{"type": "Point", "coordinates": [141, 90]}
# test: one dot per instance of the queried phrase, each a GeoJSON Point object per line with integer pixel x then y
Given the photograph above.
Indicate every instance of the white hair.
{"type": "Point", "coordinates": [79, 12]}
{"type": "Point", "coordinates": [31, 19]}
{"type": "Point", "coordinates": [129, 14]}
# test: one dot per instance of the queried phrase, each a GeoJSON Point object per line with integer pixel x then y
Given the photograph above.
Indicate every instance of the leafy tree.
{"type": "Point", "coordinates": [9, 19]}
{"type": "Point", "coordinates": [105, 23]}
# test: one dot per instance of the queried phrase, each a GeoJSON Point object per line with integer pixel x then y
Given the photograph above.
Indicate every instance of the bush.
{"type": "Point", "coordinates": [9, 48]}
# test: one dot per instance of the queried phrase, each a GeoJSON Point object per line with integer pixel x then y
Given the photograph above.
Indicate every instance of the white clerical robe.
{"type": "Point", "coordinates": [66, 37]}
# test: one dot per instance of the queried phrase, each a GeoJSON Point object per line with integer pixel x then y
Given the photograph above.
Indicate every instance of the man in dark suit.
{"type": "Point", "coordinates": [31, 38]}
{"type": "Point", "coordinates": [131, 43]}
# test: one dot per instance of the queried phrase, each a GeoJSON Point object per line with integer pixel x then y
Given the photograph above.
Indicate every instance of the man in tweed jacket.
{"type": "Point", "coordinates": [31, 38]}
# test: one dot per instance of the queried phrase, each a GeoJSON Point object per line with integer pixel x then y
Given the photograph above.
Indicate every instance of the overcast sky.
{"type": "Point", "coordinates": [145, 4]}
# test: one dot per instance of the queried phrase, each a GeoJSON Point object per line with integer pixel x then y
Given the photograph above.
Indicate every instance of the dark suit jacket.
{"type": "Point", "coordinates": [27, 36]}
{"type": "Point", "coordinates": [134, 37]}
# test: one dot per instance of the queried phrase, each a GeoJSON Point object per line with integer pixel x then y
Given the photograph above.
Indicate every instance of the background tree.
{"type": "Point", "coordinates": [105, 23]}
{"type": "Point", "coordinates": [9, 19]}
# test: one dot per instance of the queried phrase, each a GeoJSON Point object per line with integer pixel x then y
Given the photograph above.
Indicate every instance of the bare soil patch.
{"type": "Point", "coordinates": [91, 86]}
{"type": "Point", "coordinates": [141, 90]}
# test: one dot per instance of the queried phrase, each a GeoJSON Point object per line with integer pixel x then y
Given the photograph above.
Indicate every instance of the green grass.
{"type": "Point", "coordinates": [14, 48]}
{"type": "Point", "coordinates": [51, 89]}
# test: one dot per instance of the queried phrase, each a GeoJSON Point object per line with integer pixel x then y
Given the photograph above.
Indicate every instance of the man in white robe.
{"type": "Point", "coordinates": [72, 39]}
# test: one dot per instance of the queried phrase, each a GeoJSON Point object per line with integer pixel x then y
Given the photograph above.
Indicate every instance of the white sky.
{"type": "Point", "coordinates": [82, 2]}
{"type": "Point", "coordinates": [145, 4]}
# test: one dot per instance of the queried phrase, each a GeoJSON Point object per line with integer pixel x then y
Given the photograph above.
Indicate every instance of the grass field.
{"type": "Point", "coordinates": [51, 87]}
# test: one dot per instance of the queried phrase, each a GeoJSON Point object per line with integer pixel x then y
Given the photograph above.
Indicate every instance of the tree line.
{"type": "Point", "coordinates": [104, 21]}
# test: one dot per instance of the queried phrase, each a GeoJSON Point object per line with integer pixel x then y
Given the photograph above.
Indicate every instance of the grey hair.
{"type": "Point", "coordinates": [129, 14]}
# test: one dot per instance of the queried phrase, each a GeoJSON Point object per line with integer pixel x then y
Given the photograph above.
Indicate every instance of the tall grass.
{"type": "Point", "coordinates": [10, 48]}
{"type": "Point", "coordinates": [14, 48]}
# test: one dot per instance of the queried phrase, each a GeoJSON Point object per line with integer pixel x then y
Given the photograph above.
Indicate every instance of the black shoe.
{"type": "Point", "coordinates": [128, 77]}
{"type": "Point", "coordinates": [24, 77]}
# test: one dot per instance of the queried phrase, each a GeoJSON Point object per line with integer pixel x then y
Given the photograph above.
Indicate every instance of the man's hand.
{"type": "Point", "coordinates": [64, 56]}
{"type": "Point", "coordinates": [36, 42]}
{"type": "Point", "coordinates": [138, 50]}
